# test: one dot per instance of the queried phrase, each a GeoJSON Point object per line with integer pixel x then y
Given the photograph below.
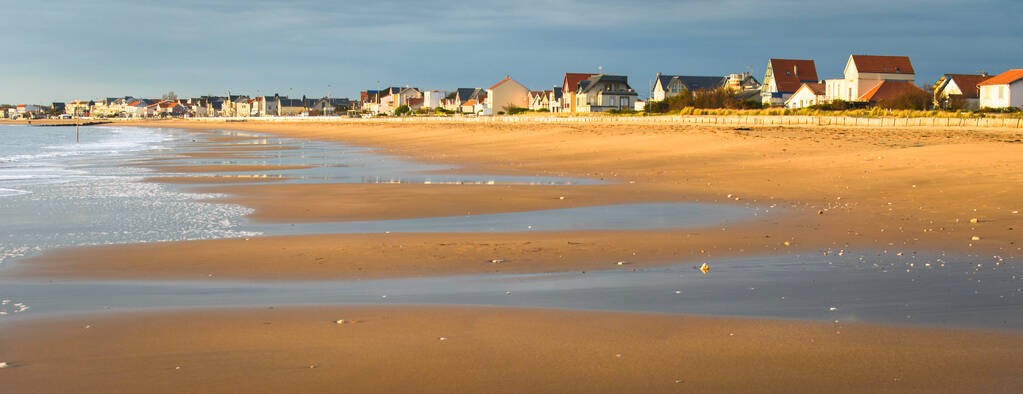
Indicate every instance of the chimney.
{"type": "Point", "coordinates": [795, 70]}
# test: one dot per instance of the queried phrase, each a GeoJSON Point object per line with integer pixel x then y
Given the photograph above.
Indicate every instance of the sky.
{"type": "Point", "coordinates": [63, 50]}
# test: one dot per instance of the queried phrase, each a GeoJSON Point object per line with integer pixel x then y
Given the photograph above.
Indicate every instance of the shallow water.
{"type": "Point", "coordinates": [55, 192]}
{"type": "Point", "coordinates": [871, 288]}
{"type": "Point", "coordinates": [338, 163]}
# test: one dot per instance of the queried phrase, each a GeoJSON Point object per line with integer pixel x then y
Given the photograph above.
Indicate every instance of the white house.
{"type": "Point", "coordinates": [808, 95]}
{"type": "Point", "coordinates": [1003, 90]}
{"type": "Point", "coordinates": [958, 91]}
{"type": "Point", "coordinates": [783, 77]}
{"type": "Point", "coordinates": [506, 94]}
{"type": "Point", "coordinates": [540, 100]}
{"type": "Point", "coordinates": [865, 72]}
{"type": "Point", "coordinates": [555, 98]}
{"type": "Point", "coordinates": [601, 92]}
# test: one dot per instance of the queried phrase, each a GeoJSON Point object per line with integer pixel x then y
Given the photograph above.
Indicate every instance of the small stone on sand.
{"type": "Point", "coordinates": [705, 268]}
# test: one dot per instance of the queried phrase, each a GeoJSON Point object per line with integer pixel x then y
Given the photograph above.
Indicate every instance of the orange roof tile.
{"type": "Point", "coordinates": [883, 64]}
{"type": "Point", "coordinates": [571, 82]}
{"type": "Point", "coordinates": [968, 83]}
{"type": "Point", "coordinates": [815, 87]}
{"type": "Point", "coordinates": [789, 74]}
{"type": "Point", "coordinates": [506, 79]}
{"type": "Point", "coordinates": [1004, 78]}
{"type": "Point", "coordinates": [889, 89]}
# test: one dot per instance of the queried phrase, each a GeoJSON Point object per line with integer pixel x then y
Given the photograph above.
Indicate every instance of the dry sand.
{"type": "Point", "coordinates": [434, 350]}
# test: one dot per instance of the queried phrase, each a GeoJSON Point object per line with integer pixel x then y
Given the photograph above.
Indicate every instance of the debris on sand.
{"type": "Point", "coordinates": [975, 238]}
{"type": "Point", "coordinates": [4, 364]}
{"type": "Point", "coordinates": [497, 261]}
{"type": "Point", "coordinates": [705, 268]}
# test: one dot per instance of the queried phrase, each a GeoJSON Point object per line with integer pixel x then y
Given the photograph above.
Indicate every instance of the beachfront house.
{"type": "Point", "coordinates": [864, 73]}
{"type": "Point", "coordinates": [137, 108]}
{"type": "Point", "coordinates": [602, 92]}
{"type": "Point", "coordinates": [266, 105]}
{"type": "Point", "coordinates": [807, 95]}
{"type": "Point", "coordinates": [666, 86]}
{"type": "Point", "coordinates": [783, 77]}
{"type": "Point", "coordinates": [392, 98]}
{"type": "Point", "coordinates": [292, 107]}
{"type": "Point", "coordinates": [77, 108]}
{"type": "Point", "coordinates": [1004, 90]}
{"type": "Point", "coordinates": [958, 91]}
{"type": "Point", "coordinates": [569, 89]}
{"type": "Point", "coordinates": [457, 101]}
{"type": "Point", "coordinates": [506, 95]}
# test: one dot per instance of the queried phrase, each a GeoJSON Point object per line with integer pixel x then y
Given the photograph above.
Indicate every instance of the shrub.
{"type": "Point", "coordinates": [511, 110]}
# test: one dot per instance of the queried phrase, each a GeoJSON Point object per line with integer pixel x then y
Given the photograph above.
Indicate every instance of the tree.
{"type": "Point", "coordinates": [170, 95]}
{"type": "Point", "coordinates": [402, 110]}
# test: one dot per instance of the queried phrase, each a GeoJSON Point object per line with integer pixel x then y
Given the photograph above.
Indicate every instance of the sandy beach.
{"type": "Point", "coordinates": [891, 190]}
{"type": "Point", "coordinates": [433, 350]}
{"type": "Point", "coordinates": [899, 191]}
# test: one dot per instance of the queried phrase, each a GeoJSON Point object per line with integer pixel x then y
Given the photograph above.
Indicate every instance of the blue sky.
{"type": "Point", "coordinates": [61, 50]}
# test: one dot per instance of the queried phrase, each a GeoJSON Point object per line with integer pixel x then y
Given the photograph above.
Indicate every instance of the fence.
{"type": "Point", "coordinates": [707, 120]}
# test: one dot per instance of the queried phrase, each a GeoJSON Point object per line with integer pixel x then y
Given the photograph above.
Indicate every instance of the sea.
{"type": "Point", "coordinates": [58, 189]}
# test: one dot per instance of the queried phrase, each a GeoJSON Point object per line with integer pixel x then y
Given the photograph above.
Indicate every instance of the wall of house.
{"type": "Point", "coordinates": [801, 99]}
{"type": "Point", "coordinates": [508, 94]}
{"type": "Point", "coordinates": [431, 98]}
{"type": "Point", "coordinates": [1002, 96]}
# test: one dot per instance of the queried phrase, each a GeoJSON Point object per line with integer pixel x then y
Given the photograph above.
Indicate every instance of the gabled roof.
{"type": "Point", "coordinates": [664, 80]}
{"type": "Point", "coordinates": [694, 83]}
{"type": "Point", "coordinates": [592, 82]}
{"type": "Point", "coordinates": [790, 74]}
{"type": "Point", "coordinates": [501, 82]}
{"type": "Point", "coordinates": [883, 64]}
{"type": "Point", "coordinates": [967, 83]}
{"type": "Point", "coordinates": [558, 92]}
{"type": "Point", "coordinates": [571, 81]}
{"type": "Point", "coordinates": [466, 94]}
{"type": "Point", "coordinates": [1004, 78]}
{"type": "Point", "coordinates": [815, 87]}
{"type": "Point", "coordinates": [889, 89]}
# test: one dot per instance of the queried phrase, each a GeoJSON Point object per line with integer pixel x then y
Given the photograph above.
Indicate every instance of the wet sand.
{"type": "Point", "coordinates": [436, 349]}
{"type": "Point", "coordinates": [891, 189]}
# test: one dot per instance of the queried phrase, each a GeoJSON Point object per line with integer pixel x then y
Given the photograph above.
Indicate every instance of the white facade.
{"type": "Point", "coordinates": [804, 97]}
{"type": "Point", "coordinates": [856, 83]}
{"type": "Point", "coordinates": [432, 98]}
{"type": "Point", "coordinates": [1002, 96]}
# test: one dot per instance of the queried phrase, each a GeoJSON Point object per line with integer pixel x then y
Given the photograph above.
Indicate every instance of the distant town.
{"type": "Point", "coordinates": [869, 81]}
